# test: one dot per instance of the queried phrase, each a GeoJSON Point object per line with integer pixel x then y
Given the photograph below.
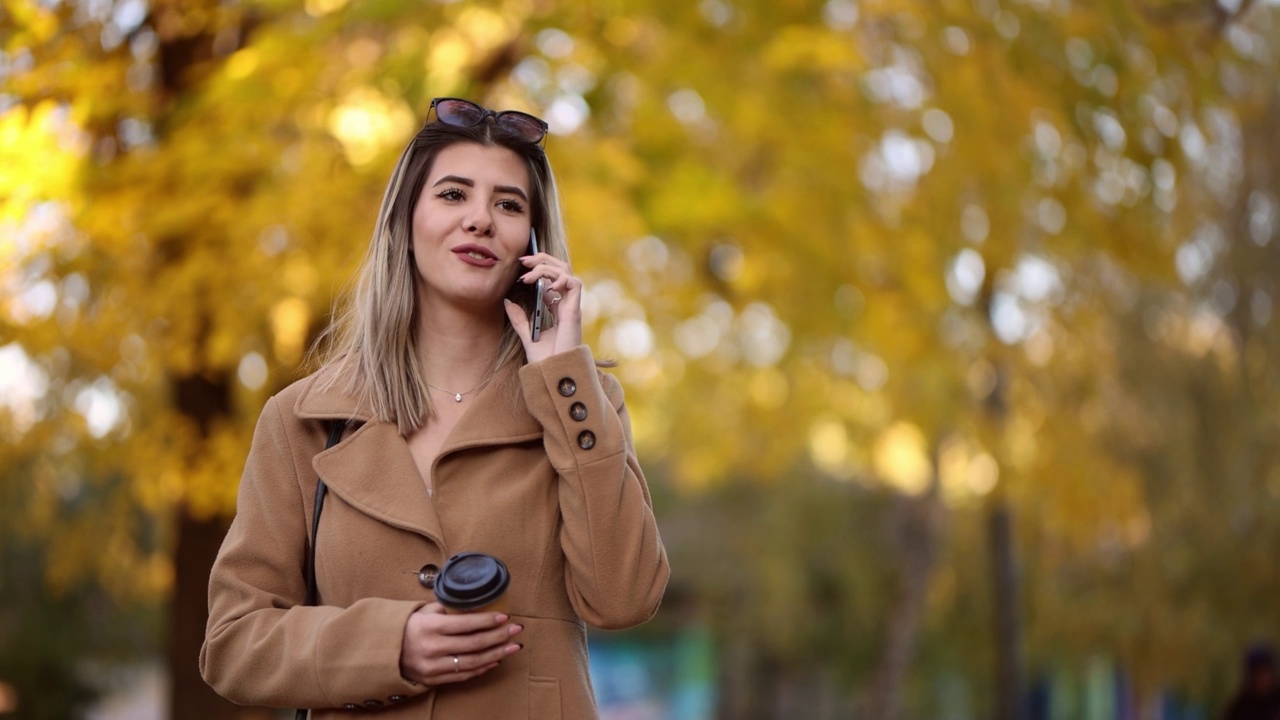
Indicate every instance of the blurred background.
{"type": "Point", "coordinates": [947, 327]}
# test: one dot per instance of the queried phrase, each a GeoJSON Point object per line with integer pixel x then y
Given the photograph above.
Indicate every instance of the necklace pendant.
{"type": "Point", "coordinates": [457, 397]}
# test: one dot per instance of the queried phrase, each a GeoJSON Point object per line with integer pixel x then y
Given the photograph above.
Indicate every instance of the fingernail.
{"type": "Point", "coordinates": [516, 629]}
{"type": "Point", "coordinates": [513, 649]}
{"type": "Point", "coordinates": [501, 617]}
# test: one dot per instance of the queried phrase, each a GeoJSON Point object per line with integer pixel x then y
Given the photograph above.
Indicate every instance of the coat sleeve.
{"type": "Point", "coordinates": [262, 645]}
{"type": "Point", "coordinates": [616, 567]}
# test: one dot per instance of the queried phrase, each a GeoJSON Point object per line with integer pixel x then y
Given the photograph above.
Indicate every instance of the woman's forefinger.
{"type": "Point", "coordinates": [465, 623]}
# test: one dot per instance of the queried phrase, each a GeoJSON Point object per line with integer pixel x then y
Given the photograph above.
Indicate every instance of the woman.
{"type": "Point", "coordinates": [463, 434]}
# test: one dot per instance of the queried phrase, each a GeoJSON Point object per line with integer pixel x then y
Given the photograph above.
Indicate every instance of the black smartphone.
{"type": "Point", "coordinates": [535, 320]}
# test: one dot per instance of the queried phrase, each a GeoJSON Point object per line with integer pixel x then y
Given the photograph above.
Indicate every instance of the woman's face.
{"type": "Point", "coordinates": [471, 225]}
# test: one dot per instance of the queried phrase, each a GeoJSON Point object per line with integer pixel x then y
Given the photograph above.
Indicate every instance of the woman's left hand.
{"type": "Point", "coordinates": [562, 299]}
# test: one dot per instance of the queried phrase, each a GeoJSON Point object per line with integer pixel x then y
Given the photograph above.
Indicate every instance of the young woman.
{"type": "Point", "coordinates": [461, 433]}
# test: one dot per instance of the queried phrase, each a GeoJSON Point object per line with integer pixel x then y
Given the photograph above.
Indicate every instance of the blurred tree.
{"type": "Point", "coordinates": [873, 270]}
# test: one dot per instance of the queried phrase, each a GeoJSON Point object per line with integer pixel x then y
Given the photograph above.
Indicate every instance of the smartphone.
{"type": "Point", "coordinates": [535, 320]}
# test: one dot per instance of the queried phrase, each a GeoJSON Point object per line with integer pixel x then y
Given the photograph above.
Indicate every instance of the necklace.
{"type": "Point", "coordinates": [457, 396]}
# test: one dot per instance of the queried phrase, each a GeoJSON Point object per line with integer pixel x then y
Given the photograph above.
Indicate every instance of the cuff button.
{"type": "Point", "coordinates": [351, 706]}
{"type": "Point", "coordinates": [373, 704]}
{"type": "Point", "coordinates": [586, 439]}
{"type": "Point", "coordinates": [397, 698]}
{"type": "Point", "coordinates": [578, 411]}
{"type": "Point", "coordinates": [567, 387]}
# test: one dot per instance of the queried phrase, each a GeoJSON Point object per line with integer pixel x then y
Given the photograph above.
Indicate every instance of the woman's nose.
{"type": "Point", "coordinates": [479, 221]}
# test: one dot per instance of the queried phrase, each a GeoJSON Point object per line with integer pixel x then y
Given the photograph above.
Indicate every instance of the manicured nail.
{"type": "Point", "coordinates": [513, 649]}
{"type": "Point", "coordinates": [516, 629]}
{"type": "Point", "coordinates": [501, 617]}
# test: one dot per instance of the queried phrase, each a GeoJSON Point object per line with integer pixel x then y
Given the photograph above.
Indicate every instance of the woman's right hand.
{"type": "Point", "coordinates": [433, 639]}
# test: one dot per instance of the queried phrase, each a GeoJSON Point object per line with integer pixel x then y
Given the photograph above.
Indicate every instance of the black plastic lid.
{"type": "Point", "coordinates": [471, 580]}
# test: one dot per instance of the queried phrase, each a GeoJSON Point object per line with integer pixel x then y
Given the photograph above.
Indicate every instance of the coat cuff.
{"type": "Point", "coordinates": [358, 655]}
{"type": "Point", "coordinates": [567, 395]}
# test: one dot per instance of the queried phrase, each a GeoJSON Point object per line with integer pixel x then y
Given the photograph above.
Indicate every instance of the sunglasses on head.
{"type": "Point", "coordinates": [464, 113]}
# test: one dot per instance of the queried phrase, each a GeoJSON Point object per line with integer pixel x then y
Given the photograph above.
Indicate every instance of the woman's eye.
{"type": "Point", "coordinates": [452, 195]}
{"type": "Point", "coordinates": [511, 206]}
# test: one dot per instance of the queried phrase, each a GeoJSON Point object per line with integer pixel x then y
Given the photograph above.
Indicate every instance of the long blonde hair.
{"type": "Point", "coordinates": [372, 346]}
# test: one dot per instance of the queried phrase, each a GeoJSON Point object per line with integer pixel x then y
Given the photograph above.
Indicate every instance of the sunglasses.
{"type": "Point", "coordinates": [464, 113]}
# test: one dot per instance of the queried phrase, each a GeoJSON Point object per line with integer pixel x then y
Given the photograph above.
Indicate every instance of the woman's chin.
{"type": "Point", "coordinates": [484, 301]}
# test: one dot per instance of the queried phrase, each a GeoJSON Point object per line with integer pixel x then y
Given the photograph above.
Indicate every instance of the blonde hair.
{"type": "Point", "coordinates": [372, 346]}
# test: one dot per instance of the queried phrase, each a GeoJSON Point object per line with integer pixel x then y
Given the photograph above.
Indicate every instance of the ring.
{"type": "Point", "coordinates": [555, 298]}
{"type": "Point", "coordinates": [455, 664]}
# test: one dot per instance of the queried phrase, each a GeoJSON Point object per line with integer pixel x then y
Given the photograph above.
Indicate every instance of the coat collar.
{"type": "Point", "coordinates": [372, 469]}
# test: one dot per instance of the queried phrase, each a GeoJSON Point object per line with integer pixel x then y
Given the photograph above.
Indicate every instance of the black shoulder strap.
{"type": "Point", "coordinates": [335, 434]}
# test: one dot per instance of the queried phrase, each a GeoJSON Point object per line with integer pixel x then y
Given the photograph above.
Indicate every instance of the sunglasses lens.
{"type": "Point", "coordinates": [459, 112]}
{"type": "Point", "coordinates": [526, 126]}
{"type": "Point", "coordinates": [465, 113]}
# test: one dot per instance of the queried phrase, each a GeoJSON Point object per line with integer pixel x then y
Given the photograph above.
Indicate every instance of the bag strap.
{"type": "Point", "coordinates": [335, 434]}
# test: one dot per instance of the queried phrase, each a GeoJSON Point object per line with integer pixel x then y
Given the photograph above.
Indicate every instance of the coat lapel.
{"type": "Point", "coordinates": [372, 469]}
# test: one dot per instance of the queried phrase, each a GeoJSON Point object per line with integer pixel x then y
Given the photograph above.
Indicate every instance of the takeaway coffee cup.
{"type": "Point", "coordinates": [472, 582]}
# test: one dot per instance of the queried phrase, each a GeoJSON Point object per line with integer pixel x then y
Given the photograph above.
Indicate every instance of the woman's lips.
{"type": "Point", "coordinates": [475, 255]}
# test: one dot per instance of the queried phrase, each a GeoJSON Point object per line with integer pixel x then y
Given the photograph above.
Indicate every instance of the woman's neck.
{"type": "Point", "coordinates": [457, 349]}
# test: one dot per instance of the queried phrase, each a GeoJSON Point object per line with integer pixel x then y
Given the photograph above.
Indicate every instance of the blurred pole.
{"type": "Point", "coordinates": [1009, 679]}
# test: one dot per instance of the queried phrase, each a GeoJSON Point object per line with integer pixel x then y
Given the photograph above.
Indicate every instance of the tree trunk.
{"type": "Point", "coordinates": [917, 531]}
{"type": "Point", "coordinates": [1009, 680]}
{"type": "Point", "coordinates": [203, 401]}
{"type": "Point", "coordinates": [189, 696]}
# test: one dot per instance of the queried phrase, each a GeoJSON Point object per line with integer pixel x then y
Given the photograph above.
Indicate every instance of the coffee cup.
{"type": "Point", "coordinates": [472, 582]}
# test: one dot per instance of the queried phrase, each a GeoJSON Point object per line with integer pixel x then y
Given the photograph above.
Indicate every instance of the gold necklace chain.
{"type": "Point", "coordinates": [457, 396]}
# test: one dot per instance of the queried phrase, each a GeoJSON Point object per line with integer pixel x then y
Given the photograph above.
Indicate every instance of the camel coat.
{"type": "Point", "coordinates": [524, 476]}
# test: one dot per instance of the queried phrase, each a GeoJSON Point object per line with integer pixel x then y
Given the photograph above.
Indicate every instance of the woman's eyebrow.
{"type": "Point", "coordinates": [455, 179]}
{"type": "Point", "coordinates": [513, 190]}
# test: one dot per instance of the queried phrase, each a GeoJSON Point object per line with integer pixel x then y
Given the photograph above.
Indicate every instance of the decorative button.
{"type": "Point", "coordinates": [427, 576]}
{"type": "Point", "coordinates": [373, 704]}
{"type": "Point", "coordinates": [351, 706]}
{"type": "Point", "coordinates": [567, 387]}
{"type": "Point", "coordinates": [586, 439]}
{"type": "Point", "coordinates": [578, 411]}
{"type": "Point", "coordinates": [397, 698]}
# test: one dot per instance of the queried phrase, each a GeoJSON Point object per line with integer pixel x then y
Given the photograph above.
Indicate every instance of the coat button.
{"type": "Point", "coordinates": [586, 439]}
{"type": "Point", "coordinates": [373, 704]}
{"type": "Point", "coordinates": [427, 576]}
{"type": "Point", "coordinates": [567, 387]}
{"type": "Point", "coordinates": [397, 698]}
{"type": "Point", "coordinates": [578, 411]}
{"type": "Point", "coordinates": [351, 706]}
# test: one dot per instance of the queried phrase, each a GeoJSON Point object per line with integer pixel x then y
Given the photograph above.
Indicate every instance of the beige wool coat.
{"type": "Point", "coordinates": [539, 471]}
